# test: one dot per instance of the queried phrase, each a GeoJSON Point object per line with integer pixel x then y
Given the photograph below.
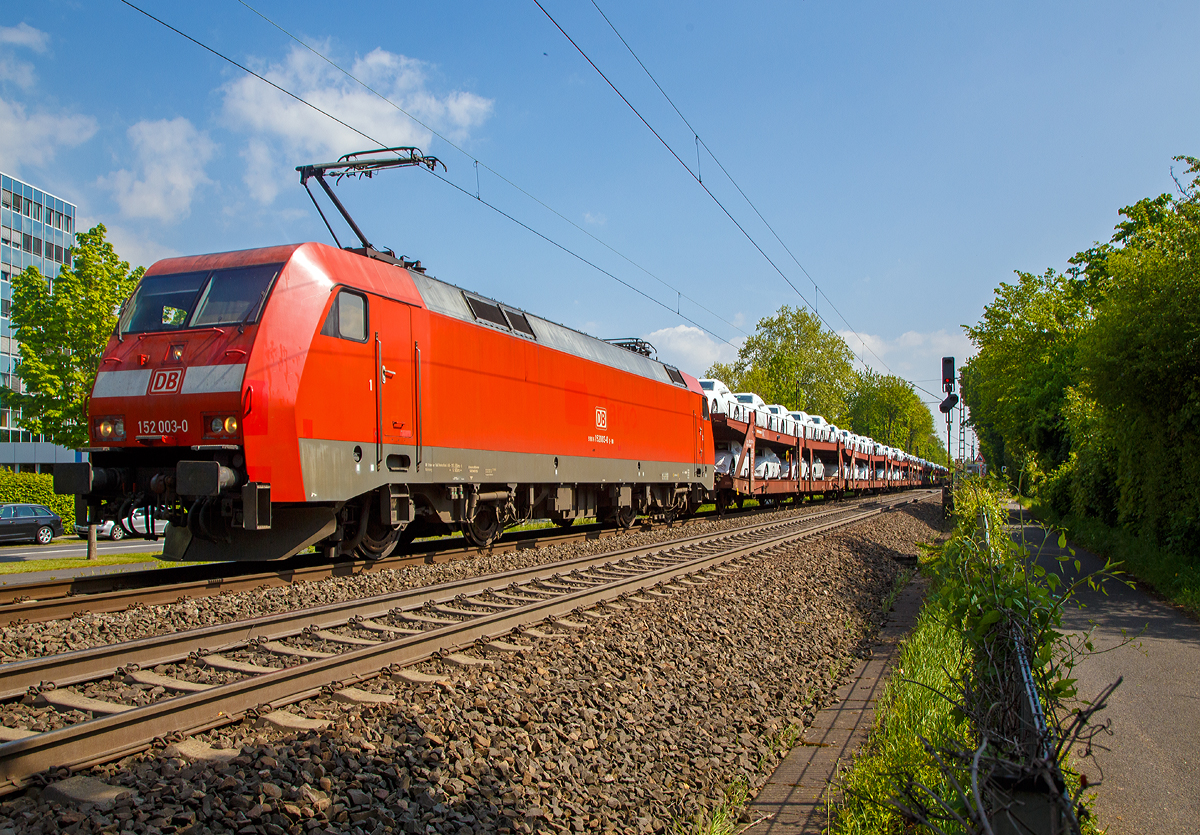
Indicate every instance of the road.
{"type": "Point", "coordinates": [69, 547]}
{"type": "Point", "coordinates": [1150, 766]}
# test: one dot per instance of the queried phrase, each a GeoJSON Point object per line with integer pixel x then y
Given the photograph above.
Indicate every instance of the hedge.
{"type": "Point", "coordinates": [36, 488]}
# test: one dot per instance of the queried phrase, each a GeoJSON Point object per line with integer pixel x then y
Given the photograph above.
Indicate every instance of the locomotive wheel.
{"type": "Point", "coordinates": [483, 530]}
{"type": "Point", "coordinates": [561, 520]}
{"type": "Point", "coordinates": [625, 517]}
{"type": "Point", "coordinates": [372, 548]}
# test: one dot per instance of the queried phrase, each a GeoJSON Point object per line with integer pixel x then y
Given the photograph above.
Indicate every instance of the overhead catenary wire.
{"type": "Point", "coordinates": [701, 143]}
{"type": "Point", "coordinates": [500, 176]}
{"type": "Point", "coordinates": [370, 138]}
{"type": "Point", "coordinates": [480, 164]}
{"type": "Point", "coordinates": [671, 151]}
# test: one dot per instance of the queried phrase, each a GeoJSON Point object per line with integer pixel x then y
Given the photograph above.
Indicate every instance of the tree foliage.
{"type": "Point", "coordinates": [62, 335]}
{"type": "Point", "coordinates": [1088, 382]}
{"type": "Point", "coordinates": [888, 409]}
{"type": "Point", "coordinates": [1019, 379]}
{"type": "Point", "coordinates": [792, 360]}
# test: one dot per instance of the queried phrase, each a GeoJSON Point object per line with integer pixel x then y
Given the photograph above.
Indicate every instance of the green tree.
{"type": "Point", "coordinates": [888, 409]}
{"type": "Point", "coordinates": [791, 359]}
{"type": "Point", "coordinates": [1089, 381]}
{"type": "Point", "coordinates": [62, 335]}
{"type": "Point", "coordinates": [880, 407]}
{"type": "Point", "coordinates": [1139, 364]}
{"type": "Point", "coordinates": [1026, 362]}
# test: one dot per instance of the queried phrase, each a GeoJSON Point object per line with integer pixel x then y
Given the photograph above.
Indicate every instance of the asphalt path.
{"type": "Point", "coordinates": [70, 547]}
{"type": "Point", "coordinates": [1150, 766]}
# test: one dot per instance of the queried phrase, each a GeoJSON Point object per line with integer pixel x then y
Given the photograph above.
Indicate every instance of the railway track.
{"type": "Point", "coordinates": [199, 679]}
{"type": "Point", "coordinates": [55, 599]}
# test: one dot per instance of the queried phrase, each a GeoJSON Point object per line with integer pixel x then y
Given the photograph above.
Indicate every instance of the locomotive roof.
{"type": "Point", "coordinates": [451, 300]}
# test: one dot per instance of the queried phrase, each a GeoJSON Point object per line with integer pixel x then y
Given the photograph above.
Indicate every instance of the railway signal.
{"type": "Point", "coordinates": [949, 403]}
{"type": "Point", "coordinates": [948, 377]}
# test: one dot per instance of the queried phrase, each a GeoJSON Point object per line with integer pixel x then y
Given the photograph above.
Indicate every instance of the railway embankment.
{"type": "Point", "coordinates": [656, 713]}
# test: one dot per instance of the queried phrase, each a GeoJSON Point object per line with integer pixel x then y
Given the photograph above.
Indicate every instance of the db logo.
{"type": "Point", "coordinates": [601, 418]}
{"type": "Point", "coordinates": [166, 381]}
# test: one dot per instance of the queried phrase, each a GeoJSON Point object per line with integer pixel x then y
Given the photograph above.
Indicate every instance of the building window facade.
{"type": "Point", "coordinates": [37, 229]}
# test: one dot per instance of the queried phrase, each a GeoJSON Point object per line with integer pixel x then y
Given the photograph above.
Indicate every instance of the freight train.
{"type": "Point", "coordinates": [270, 400]}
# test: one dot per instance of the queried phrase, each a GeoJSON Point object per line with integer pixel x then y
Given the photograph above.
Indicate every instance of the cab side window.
{"type": "Point", "coordinates": [7, 512]}
{"type": "Point", "coordinates": [347, 317]}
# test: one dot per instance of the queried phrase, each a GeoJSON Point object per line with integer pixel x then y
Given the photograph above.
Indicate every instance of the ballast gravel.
{"type": "Point", "coordinates": [35, 640]}
{"type": "Point", "coordinates": [632, 725]}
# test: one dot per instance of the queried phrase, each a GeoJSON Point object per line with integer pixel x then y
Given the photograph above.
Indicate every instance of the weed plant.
{"type": "Point", "coordinates": [951, 731]}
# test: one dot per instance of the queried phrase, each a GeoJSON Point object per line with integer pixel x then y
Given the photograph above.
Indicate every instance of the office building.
{"type": "Point", "coordinates": [36, 230]}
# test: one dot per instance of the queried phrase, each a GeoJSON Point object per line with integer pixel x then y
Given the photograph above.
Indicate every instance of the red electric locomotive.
{"type": "Point", "coordinates": [267, 400]}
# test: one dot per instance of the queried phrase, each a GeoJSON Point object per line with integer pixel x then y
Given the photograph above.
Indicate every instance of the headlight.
{"type": "Point", "coordinates": [110, 428]}
{"type": "Point", "coordinates": [231, 425]}
{"type": "Point", "coordinates": [216, 424]}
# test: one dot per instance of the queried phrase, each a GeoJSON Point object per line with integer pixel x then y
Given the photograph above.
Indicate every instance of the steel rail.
{"type": "Point", "coordinates": [117, 735]}
{"type": "Point", "coordinates": [88, 664]}
{"type": "Point", "coordinates": [115, 592]}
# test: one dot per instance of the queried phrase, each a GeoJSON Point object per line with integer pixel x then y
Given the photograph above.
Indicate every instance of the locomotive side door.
{"type": "Point", "coordinates": [394, 371]}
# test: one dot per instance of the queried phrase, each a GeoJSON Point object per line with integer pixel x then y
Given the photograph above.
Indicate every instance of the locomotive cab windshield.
{"type": "Point", "coordinates": [206, 298]}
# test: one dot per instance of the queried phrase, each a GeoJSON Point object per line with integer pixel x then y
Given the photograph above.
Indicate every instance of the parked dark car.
{"type": "Point", "coordinates": [29, 522]}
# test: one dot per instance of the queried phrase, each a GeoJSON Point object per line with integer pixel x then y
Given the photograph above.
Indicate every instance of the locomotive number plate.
{"type": "Point", "coordinates": [161, 427]}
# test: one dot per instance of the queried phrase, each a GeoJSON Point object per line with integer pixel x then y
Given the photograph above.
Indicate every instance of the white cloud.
{"type": "Point", "coordinates": [595, 219]}
{"type": "Point", "coordinates": [259, 177]}
{"type": "Point", "coordinates": [24, 35]}
{"type": "Point", "coordinates": [285, 131]}
{"type": "Point", "coordinates": [17, 71]}
{"type": "Point", "coordinates": [171, 155]}
{"type": "Point", "coordinates": [912, 355]}
{"type": "Point", "coordinates": [12, 68]}
{"type": "Point", "coordinates": [33, 138]}
{"type": "Point", "coordinates": [690, 348]}
{"type": "Point", "coordinates": [129, 245]}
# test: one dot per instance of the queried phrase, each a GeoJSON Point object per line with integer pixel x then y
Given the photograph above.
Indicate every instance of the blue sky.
{"type": "Point", "coordinates": [909, 155]}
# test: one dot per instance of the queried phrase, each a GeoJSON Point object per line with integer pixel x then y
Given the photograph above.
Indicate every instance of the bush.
{"type": "Point", "coordinates": [36, 488]}
{"type": "Point", "coordinates": [1056, 488]}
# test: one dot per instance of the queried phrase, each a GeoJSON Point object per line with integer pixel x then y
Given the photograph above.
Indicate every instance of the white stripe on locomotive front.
{"type": "Point", "coordinates": [199, 379]}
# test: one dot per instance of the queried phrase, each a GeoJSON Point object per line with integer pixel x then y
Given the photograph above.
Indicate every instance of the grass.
{"type": "Point", "coordinates": [721, 819]}
{"type": "Point", "coordinates": [909, 710]}
{"type": "Point", "coordinates": [26, 566]}
{"type": "Point", "coordinates": [1172, 575]}
{"type": "Point", "coordinates": [889, 600]}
